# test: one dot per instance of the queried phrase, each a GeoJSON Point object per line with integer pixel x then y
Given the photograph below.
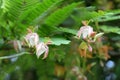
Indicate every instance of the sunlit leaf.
{"type": "Point", "coordinates": [59, 41]}
{"type": "Point", "coordinates": [56, 41]}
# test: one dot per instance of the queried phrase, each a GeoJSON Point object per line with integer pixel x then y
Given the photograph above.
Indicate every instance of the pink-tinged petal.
{"type": "Point", "coordinates": [32, 39]}
{"type": "Point", "coordinates": [46, 52]}
{"type": "Point", "coordinates": [90, 30]}
{"type": "Point", "coordinates": [80, 32]}
{"type": "Point", "coordinates": [85, 35]}
{"type": "Point", "coordinates": [85, 32]}
{"type": "Point", "coordinates": [93, 34]}
{"type": "Point", "coordinates": [40, 49]}
{"type": "Point", "coordinates": [89, 48]}
{"type": "Point", "coordinates": [36, 38]}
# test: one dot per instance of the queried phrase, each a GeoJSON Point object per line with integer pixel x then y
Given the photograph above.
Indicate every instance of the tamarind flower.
{"type": "Point", "coordinates": [32, 39]}
{"type": "Point", "coordinates": [42, 48]}
{"type": "Point", "coordinates": [85, 32]}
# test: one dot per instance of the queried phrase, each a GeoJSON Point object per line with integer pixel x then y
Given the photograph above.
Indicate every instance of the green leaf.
{"type": "Point", "coordinates": [56, 41]}
{"type": "Point", "coordinates": [108, 29]}
{"type": "Point", "coordinates": [110, 15]}
{"type": "Point", "coordinates": [59, 41]}
{"type": "Point", "coordinates": [42, 10]}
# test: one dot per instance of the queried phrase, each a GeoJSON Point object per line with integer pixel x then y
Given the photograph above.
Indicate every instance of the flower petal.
{"type": "Point", "coordinates": [40, 49]}
{"type": "Point", "coordinates": [32, 39]}
{"type": "Point", "coordinates": [89, 48]}
{"type": "Point", "coordinates": [85, 31]}
{"type": "Point", "coordinates": [46, 52]}
{"type": "Point", "coordinates": [97, 36]}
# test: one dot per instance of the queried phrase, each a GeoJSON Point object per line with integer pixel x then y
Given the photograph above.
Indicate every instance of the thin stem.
{"type": "Point", "coordinates": [15, 55]}
{"type": "Point", "coordinates": [84, 62]}
{"type": "Point", "coordinates": [97, 25]}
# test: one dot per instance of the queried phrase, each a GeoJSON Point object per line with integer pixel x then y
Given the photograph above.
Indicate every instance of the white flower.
{"type": "Point", "coordinates": [42, 48]}
{"type": "Point", "coordinates": [85, 32]}
{"type": "Point", "coordinates": [32, 39]}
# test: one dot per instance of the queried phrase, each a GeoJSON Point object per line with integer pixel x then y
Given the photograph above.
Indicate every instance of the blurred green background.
{"type": "Point", "coordinates": [59, 21]}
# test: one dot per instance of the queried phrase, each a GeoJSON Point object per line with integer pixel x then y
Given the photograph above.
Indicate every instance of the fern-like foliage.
{"type": "Point", "coordinates": [60, 15]}
{"type": "Point", "coordinates": [19, 14]}
{"type": "Point", "coordinates": [14, 9]}
{"type": "Point", "coordinates": [40, 10]}
{"type": "Point", "coordinates": [110, 29]}
{"type": "Point", "coordinates": [56, 18]}
{"type": "Point", "coordinates": [110, 15]}
{"type": "Point", "coordinates": [100, 16]}
{"type": "Point", "coordinates": [86, 14]}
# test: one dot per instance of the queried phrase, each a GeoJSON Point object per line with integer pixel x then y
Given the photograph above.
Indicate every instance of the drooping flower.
{"type": "Point", "coordinates": [32, 39]}
{"type": "Point", "coordinates": [88, 35]}
{"type": "Point", "coordinates": [85, 32]}
{"type": "Point", "coordinates": [42, 48]}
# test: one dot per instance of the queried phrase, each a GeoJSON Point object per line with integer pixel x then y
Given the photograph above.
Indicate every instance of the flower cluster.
{"type": "Point", "coordinates": [32, 40]}
{"type": "Point", "coordinates": [88, 35]}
